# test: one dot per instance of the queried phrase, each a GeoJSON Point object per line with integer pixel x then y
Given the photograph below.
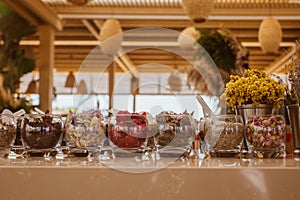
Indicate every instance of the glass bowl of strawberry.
{"type": "Point", "coordinates": [130, 131]}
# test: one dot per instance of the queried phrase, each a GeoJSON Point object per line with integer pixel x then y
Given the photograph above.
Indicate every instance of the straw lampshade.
{"type": "Point", "coordinates": [175, 82]}
{"type": "Point", "coordinates": [70, 81]}
{"type": "Point", "coordinates": [188, 37]}
{"type": "Point", "coordinates": [111, 37]}
{"type": "Point", "coordinates": [198, 10]}
{"type": "Point", "coordinates": [82, 88]}
{"type": "Point", "coordinates": [269, 35]}
{"type": "Point", "coordinates": [32, 87]}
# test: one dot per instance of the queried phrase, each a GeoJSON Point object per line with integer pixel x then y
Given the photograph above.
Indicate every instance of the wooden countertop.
{"type": "Point", "coordinates": [131, 178]}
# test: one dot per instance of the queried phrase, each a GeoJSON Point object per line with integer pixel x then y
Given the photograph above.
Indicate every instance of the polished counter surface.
{"type": "Point", "coordinates": [132, 178]}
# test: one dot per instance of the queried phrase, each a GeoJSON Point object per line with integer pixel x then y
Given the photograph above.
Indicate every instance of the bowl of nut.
{"type": "Point", "coordinates": [176, 133]}
{"type": "Point", "coordinates": [84, 132]}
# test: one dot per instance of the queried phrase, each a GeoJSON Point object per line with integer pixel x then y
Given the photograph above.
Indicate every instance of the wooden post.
{"type": "Point", "coordinates": [111, 81]}
{"type": "Point", "coordinates": [46, 65]}
{"type": "Point", "coordinates": [134, 90]}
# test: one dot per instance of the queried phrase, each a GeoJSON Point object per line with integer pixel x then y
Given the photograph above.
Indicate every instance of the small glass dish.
{"type": "Point", "coordinates": [176, 134]}
{"type": "Point", "coordinates": [41, 134]}
{"type": "Point", "coordinates": [7, 134]}
{"type": "Point", "coordinates": [130, 131]}
{"type": "Point", "coordinates": [224, 135]}
{"type": "Point", "coordinates": [84, 133]}
{"type": "Point", "coordinates": [265, 135]}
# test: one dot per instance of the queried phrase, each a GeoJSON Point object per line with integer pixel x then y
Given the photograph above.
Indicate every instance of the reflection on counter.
{"type": "Point", "coordinates": [151, 165]}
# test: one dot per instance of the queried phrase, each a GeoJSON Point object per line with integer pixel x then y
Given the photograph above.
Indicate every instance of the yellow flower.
{"type": "Point", "coordinates": [255, 88]}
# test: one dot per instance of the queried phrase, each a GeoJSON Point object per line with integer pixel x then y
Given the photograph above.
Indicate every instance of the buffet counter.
{"type": "Point", "coordinates": [126, 178]}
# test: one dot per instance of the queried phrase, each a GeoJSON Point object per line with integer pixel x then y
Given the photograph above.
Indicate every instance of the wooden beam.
{"type": "Point", "coordinates": [124, 57]}
{"type": "Point", "coordinates": [242, 10]}
{"type": "Point", "coordinates": [90, 27]}
{"type": "Point", "coordinates": [23, 12]}
{"type": "Point", "coordinates": [98, 23]}
{"type": "Point", "coordinates": [121, 64]}
{"type": "Point", "coordinates": [36, 11]}
{"type": "Point", "coordinates": [281, 63]}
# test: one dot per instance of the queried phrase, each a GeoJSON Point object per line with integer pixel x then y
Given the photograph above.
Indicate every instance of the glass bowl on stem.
{"type": "Point", "coordinates": [128, 133]}
{"type": "Point", "coordinates": [41, 134]}
{"type": "Point", "coordinates": [265, 135]}
{"type": "Point", "coordinates": [224, 135]}
{"type": "Point", "coordinates": [7, 134]}
{"type": "Point", "coordinates": [85, 133]}
{"type": "Point", "coordinates": [176, 134]}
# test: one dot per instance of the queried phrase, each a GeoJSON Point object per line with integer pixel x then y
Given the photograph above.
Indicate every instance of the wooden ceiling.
{"type": "Point", "coordinates": [78, 27]}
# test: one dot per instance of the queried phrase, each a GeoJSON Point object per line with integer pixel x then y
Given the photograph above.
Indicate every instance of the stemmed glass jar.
{"type": "Point", "coordinates": [224, 135]}
{"type": "Point", "coordinates": [41, 134]}
{"type": "Point", "coordinates": [176, 134]}
{"type": "Point", "coordinates": [128, 131]}
{"type": "Point", "coordinates": [7, 134]}
{"type": "Point", "coordinates": [85, 133]}
{"type": "Point", "coordinates": [265, 135]}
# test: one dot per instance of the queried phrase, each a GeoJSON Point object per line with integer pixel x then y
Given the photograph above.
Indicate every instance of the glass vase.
{"type": "Point", "coordinates": [84, 133]}
{"type": "Point", "coordinates": [41, 134]}
{"type": "Point", "coordinates": [249, 110]}
{"type": "Point", "coordinates": [7, 134]}
{"type": "Point", "coordinates": [265, 135]}
{"type": "Point", "coordinates": [224, 135]}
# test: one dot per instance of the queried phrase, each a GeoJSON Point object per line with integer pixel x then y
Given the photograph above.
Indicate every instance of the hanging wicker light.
{"type": "Point", "coordinates": [188, 37]}
{"type": "Point", "coordinates": [111, 37]}
{"type": "Point", "coordinates": [175, 82]}
{"type": "Point", "coordinates": [269, 35]}
{"type": "Point", "coordinates": [32, 87]}
{"type": "Point", "coordinates": [70, 81]}
{"type": "Point", "coordinates": [198, 10]}
{"type": "Point", "coordinates": [82, 88]}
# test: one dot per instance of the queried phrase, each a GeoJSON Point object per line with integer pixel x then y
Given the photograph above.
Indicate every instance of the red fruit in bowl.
{"type": "Point", "coordinates": [136, 121]}
{"type": "Point", "coordinates": [123, 116]}
{"type": "Point", "coordinates": [129, 129]}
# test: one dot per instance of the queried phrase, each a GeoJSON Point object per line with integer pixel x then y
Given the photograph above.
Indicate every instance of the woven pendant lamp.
{"type": "Point", "coordinates": [175, 82]}
{"type": "Point", "coordinates": [269, 35]}
{"type": "Point", "coordinates": [70, 81]}
{"type": "Point", "coordinates": [82, 88]}
{"type": "Point", "coordinates": [32, 87]}
{"type": "Point", "coordinates": [188, 37]}
{"type": "Point", "coordinates": [198, 10]}
{"type": "Point", "coordinates": [111, 37]}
